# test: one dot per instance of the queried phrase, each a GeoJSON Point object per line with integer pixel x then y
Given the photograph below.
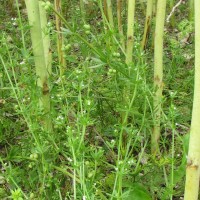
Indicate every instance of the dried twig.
{"type": "Point", "coordinates": [173, 10]}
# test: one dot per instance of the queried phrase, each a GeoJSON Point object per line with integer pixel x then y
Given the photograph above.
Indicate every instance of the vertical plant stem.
{"type": "Point", "coordinates": [39, 58]}
{"type": "Point", "coordinates": [105, 9]}
{"type": "Point", "coordinates": [45, 38]}
{"type": "Point", "coordinates": [82, 9]}
{"type": "Point", "coordinates": [119, 176]}
{"type": "Point", "coordinates": [130, 31]}
{"type": "Point", "coordinates": [172, 19]}
{"type": "Point", "coordinates": [107, 25]}
{"type": "Point", "coordinates": [110, 13]}
{"type": "Point", "coordinates": [153, 22]}
{"type": "Point", "coordinates": [62, 63]}
{"type": "Point", "coordinates": [129, 50]}
{"type": "Point", "coordinates": [173, 127]}
{"type": "Point", "coordinates": [48, 61]}
{"type": "Point", "coordinates": [21, 25]}
{"type": "Point", "coordinates": [158, 74]}
{"type": "Point", "coordinates": [193, 159]}
{"type": "Point", "coordinates": [149, 11]}
{"type": "Point", "coordinates": [74, 171]}
{"type": "Point", "coordinates": [119, 19]}
{"type": "Point", "coordinates": [154, 7]}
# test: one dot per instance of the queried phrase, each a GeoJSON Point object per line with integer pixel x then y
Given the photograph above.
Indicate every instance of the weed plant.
{"type": "Point", "coordinates": [91, 153]}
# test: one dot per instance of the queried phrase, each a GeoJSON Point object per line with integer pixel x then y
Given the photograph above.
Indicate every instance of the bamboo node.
{"type": "Point", "coordinates": [45, 89]}
{"type": "Point", "coordinates": [130, 37]}
{"type": "Point", "coordinates": [192, 164]}
{"type": "Point", "coordinates": [157, 78]}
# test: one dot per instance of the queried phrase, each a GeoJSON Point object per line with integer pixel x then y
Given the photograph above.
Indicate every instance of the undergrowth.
{"type": "Point", "coordinates": [91, 153]}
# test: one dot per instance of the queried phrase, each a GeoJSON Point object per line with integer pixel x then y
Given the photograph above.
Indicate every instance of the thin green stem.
{"type": "Point", "coordinates": [21, 26]}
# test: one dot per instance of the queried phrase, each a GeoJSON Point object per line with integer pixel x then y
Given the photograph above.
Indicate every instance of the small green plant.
{"type": "Point", "coordinates": [16, 194]}
{"type": "Point", "coordinates": [100, 101]}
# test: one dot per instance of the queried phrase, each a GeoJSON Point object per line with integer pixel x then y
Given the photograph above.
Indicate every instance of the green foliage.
{"type": "Point", "coordinates": [91, 153]}
{"type": "Point", "coordinates": [138, 192]}
{"type": "Point", "coordinates": [16, 194]}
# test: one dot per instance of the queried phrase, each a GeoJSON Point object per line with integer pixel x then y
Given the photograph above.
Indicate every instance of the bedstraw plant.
{"type": "Point", "coordinates": [89, 112]}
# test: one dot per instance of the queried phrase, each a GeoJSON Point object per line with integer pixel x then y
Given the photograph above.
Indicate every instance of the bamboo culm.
{"type": "Point", "coordinates": [40, 51]}
{"type": "Point", "coordinates": [193, 159]}
{"type": "Point", "coordinates": [158, 74]}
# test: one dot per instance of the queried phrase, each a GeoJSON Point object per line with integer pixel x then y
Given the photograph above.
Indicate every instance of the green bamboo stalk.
{"type": "Point", "coordinates": [149, 11]}
{"type": "Point", "coordinates": [119, 19]}
{"type": "Point", "coordinates": [158, 74]}
{"type": "Point", "coordinates": [154, 7]}
{"type": "Point", "coordinates": [193, 159]}
{"type": "Point", "coordinates": [129, 51]}
{"type": "Point", "coordinates": [110, 13]}
{"type": "Point", "coordinates": [172, 19]}
{"type": "Point", "coordinates": [48, 62]}
{"type": "Point", "coordinates": [62, 62]}
{"type": "Point", "coordinates": [45, 38]}
{"type": "Point", "coordinates": [34, 17]}
{"type": "Point", "coordinates": [130, 31]}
